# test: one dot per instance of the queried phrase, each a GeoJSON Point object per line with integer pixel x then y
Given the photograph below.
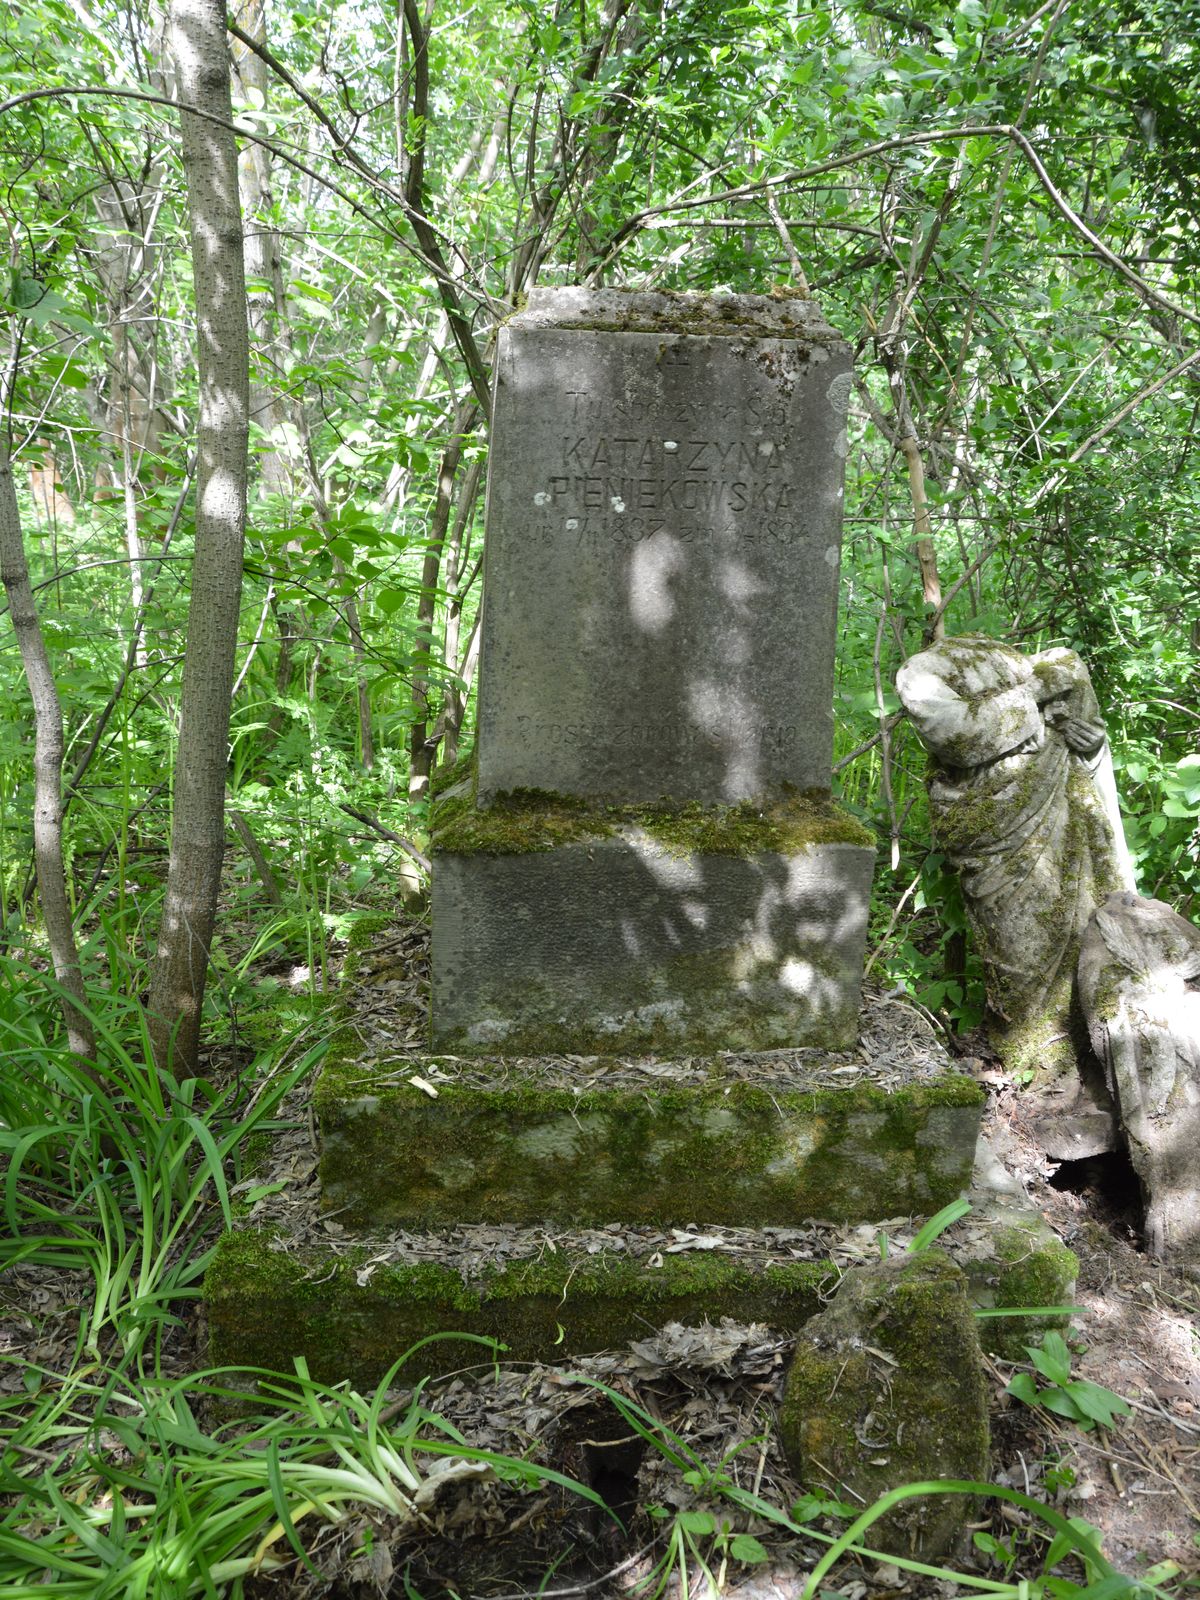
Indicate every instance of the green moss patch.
{"type": "Point", "coordinates": [535, 819]}
{"type": "Point", "coordinates": [888, 1387]}
{"type": "Point", "coordinates": [463, 771]}
{"type": "Point", "coordinates": [721, 1151]}
{"type": "Point", "coordinates": [1030, 1268]}
{"type": "Point", "coordinates": [351, 1319]}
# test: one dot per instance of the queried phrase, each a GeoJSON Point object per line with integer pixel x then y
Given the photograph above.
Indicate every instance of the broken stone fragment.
{"type": "Point", "coordinates": [887, 1387]}
{"type": "Point", "coordinates": [1139, 966]}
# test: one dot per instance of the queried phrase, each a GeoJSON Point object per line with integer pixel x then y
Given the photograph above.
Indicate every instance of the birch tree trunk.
{"type": "Point", "coordinates": [47, 766]}
{"type": "Point", "coordinates": [197, 830]}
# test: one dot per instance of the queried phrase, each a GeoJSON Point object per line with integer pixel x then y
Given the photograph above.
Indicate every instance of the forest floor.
{"type": "Point", "coordinates": [712, 1393]}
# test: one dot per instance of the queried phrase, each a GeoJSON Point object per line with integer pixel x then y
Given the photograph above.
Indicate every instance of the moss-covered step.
{"type": "Point", "coordinates": [352, 1305]}
{"type": "Point", "coordinates": [578, 926]}
{"type": "Point", "coordinates": [352, 1315]}
{"type": "Point", "coordinates": [742, 1141]}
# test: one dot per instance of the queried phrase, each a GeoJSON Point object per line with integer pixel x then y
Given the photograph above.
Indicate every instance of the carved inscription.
{"type": "Point", "coordinates": [623, 488]}
{"type": "Point", "coordinates": [585, 408]}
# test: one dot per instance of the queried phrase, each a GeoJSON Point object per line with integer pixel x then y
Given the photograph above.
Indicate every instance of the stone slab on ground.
{"type": "Point", "coordinates": [721, 1143]}
{"type": "Point", "coordinates": [664, 535]}
{"type": "Point", "coordinates": [619, 943]}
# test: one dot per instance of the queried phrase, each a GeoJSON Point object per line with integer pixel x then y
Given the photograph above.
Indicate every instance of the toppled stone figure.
{"type": "Point", "coordinates": [1139, 983]}
{"type": "Point", "coordinates": [1024, 805]}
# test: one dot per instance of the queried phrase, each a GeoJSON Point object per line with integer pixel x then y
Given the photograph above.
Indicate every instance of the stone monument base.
{"type": "Point", "coordinates": [733, 1186]}
{"type": "Point", "coordinates": [591, 931]}
{"type": "Point", "coordinates": [350, 1307]}
{"type": "Point", "coordinates": [739, 1140]}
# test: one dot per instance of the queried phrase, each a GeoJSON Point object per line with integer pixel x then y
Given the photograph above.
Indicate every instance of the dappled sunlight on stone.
{"type": "Point", "coordinates": [651, 569]}
{"type": "Point", "coordinates": [649, 856]}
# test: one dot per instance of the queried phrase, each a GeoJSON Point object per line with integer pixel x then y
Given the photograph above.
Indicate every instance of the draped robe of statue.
{"type": "Point", "coordinates": [1023, 804]}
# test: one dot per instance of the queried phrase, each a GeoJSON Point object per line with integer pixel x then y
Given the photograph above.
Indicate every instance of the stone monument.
{"type": "Point", "coordinates": [642, 867]}
{"type": "Point", "coordinates": [646, 856]}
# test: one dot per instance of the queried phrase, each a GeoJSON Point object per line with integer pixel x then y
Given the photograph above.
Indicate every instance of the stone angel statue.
{"type": "Point", "coordinates": [1024, 805]}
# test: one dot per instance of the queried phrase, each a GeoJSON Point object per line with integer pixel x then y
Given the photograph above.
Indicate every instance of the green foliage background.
{"type": "Point", "coordinates": [688, 145]}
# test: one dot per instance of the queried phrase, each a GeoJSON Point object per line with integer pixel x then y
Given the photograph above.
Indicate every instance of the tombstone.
{"type": "Point", "coordinates": [647, 855]}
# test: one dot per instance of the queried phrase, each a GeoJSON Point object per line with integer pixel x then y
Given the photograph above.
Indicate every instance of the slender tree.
{"type": "Point", "coordinates": [197, 831]}
{"type": "Point", "coordinates": [47, 762]}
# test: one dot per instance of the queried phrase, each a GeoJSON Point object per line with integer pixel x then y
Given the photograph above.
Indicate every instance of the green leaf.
{"type": "Point", "coordinates": [938, 1223]}
{"type": "Point", "coordinates": [1022, 1387]}
{"type": "Point", "coordinates": [262, 1190]}
{"type": "Point", "coordinates": [1120, 184]}
{"type": "Point", "coordinates": [1061, 1404]}
{"type": "Point", "coordinates": [1052, 1359]}
{"type": "Point", "coordinates": [745, 1547]}
{"type": "Point", "coordinates": [698, 1522]}
{"type": "Point", "coordinates": [25, 293]}
{"type": "Point", "coordinates": [66, 371]}
{"type": "Point", "coordinates": [1097, 1402]}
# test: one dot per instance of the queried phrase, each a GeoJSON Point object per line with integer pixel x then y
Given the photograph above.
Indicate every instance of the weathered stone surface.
{"type": "Point", "coordinates": [664, 533]}
{"type": "Point", "coordinates": [1011, 1257]}
{"type": "Point", "coordinates": [1139, 966]}
{"type": "Point", "coordinates": [664, 516]}
{"type": "Point", "coordinates": [887, 1387]}
{"type": "Point", "coordinates": [624, 944]}
{"type": "Point", "coordinates": [351, 1319]}
{"type": "Point", "coordinates": [1022, 802]}
{"type": "Point", "coordinates": [503, 1146]}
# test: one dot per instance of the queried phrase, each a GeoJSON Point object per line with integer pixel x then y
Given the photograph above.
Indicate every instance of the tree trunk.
{"type": "Point", "coordinates": [263, 259]}
{"type": "Point", "coordinates": [421, 747]}
{"type": "Point", "coordinates": [47, 766]}
{"type": "Point", "coordinates": [454, 705]}
{"type": "Point", "coordinates": [197, 830]}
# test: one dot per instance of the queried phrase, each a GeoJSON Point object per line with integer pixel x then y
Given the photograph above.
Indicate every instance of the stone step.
{"type": "Point", "coordinates": [289, 1284]}
{"type": "Point", "coordinates": [776, 1137]}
